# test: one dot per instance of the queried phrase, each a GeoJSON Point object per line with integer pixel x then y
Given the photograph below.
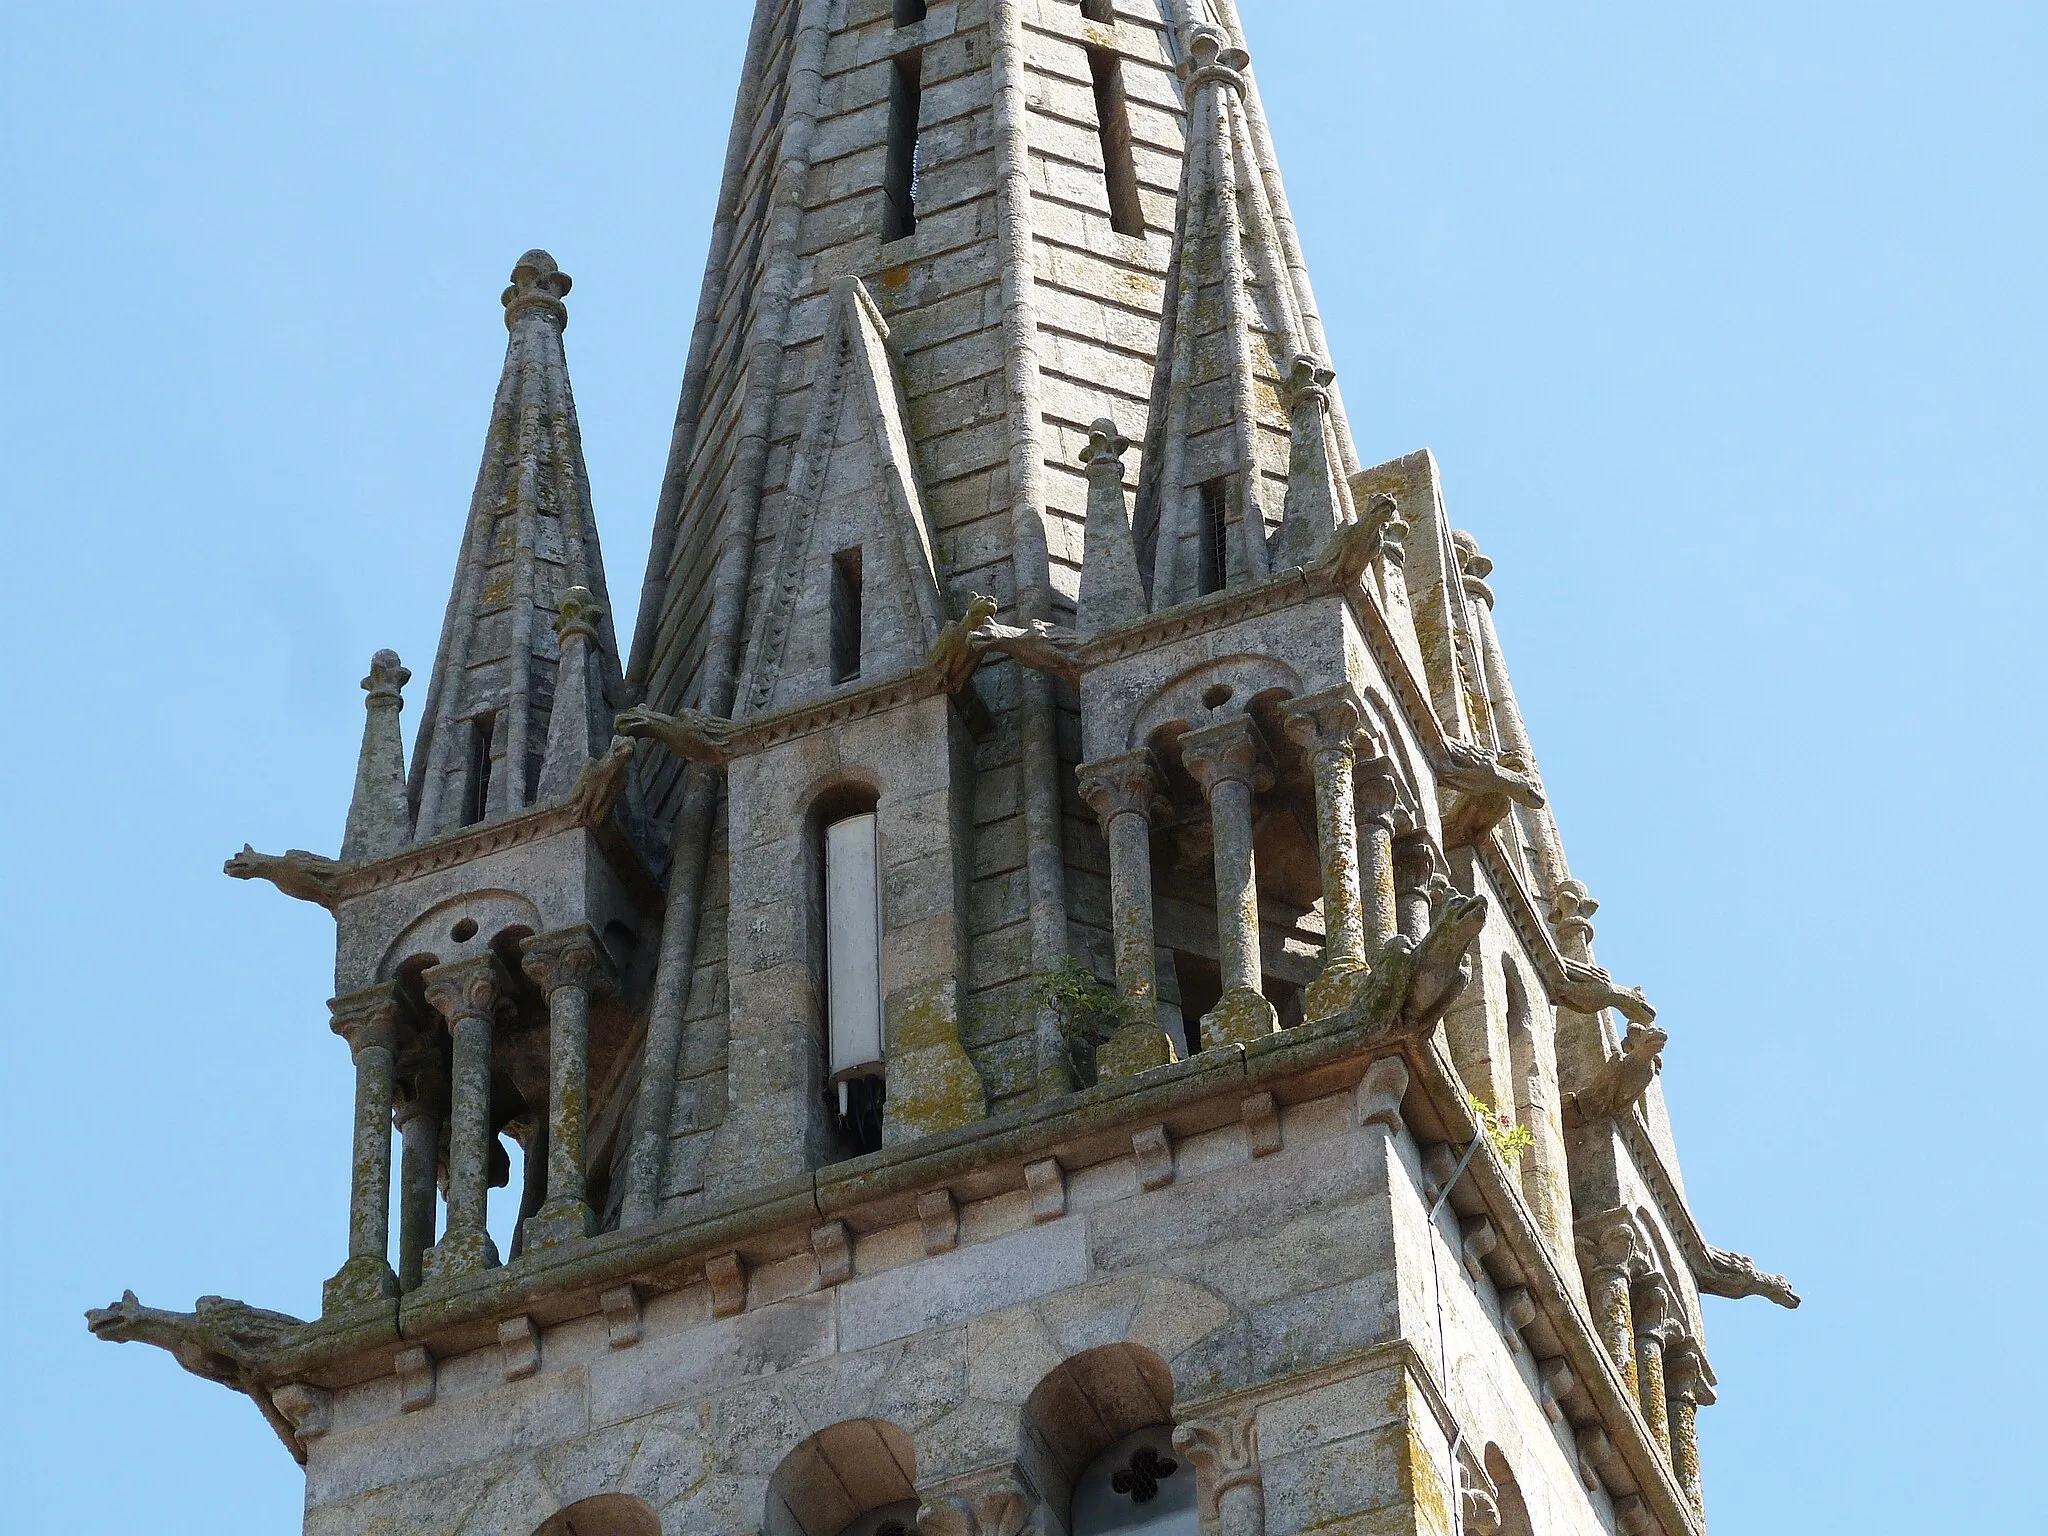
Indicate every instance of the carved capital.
{"type": "Point", "coordinates": [1226, 751]}
{"type": "Point", "coordinates": [1417, 864]}
{"type": "Point", "coordinates": [1225, 1453]}
{"type": "Point", "coordinates": [1687, 1376]}
{"type": "Point", "coordinates": [1378, 790]}
{"type": "Point", "coordinates": [569, 957]}
{"type": "Point", "coordinates": [368, 1020]}
{"type": "Point", "coordinates": [578, 613]}
{"type": "Point", "coordinates": [1324, 722]}
{"type": "Point", "coordinates": [1655, 1311]}
{"type": "Point", "coordinates": [386, 681]}
{"type": "Point", "coordinates": [1610, 1242]}
{"type": "Point", "coordinates": [537, 285]}
{"type": "Point", "coordinates": [467, 989]}
{"type": "Point", "coordinates": [1125, 785]}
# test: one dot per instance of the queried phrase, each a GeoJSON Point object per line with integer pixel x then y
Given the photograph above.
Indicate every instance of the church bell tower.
{"type": "Point", "coordinates": [1044, 990]}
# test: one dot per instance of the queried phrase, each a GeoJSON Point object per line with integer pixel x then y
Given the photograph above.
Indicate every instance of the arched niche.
{"type": "Point", "coordinates": [609, 1514]}
{"type": "Point", "coordinates": [1213, 691]}
{"type": "Point", "coordinates": [460, 929]}
{"type": "Point", "coordinates": [1106, 1412]}
{"type": "Point", "coordinates": [857, 1478]}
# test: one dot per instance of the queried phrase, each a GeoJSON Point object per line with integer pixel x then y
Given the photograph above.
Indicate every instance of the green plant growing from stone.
{"type": "Point", "coordinates": [1089, 1010]}
{"type": "Point", "coordinates": [1509, 1138]}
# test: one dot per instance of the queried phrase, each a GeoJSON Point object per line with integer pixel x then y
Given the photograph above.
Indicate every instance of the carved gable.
{"type": "Point", "coordinates": [855, 594]}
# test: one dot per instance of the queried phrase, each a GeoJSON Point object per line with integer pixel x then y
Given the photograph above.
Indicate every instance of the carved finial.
{"type": "Point", "coordinates": [1307, 378]}
{"type": "Point", "coordinates": [537, 283]}
{"type": "Point", "coordinates": [1474, 566]}
{"type": "Point", "coordinates": [578, 613]}
{"type": "Point", "coordinates": [1212, 56]}
{"type": "Point", "coordinates": [387, 677]}
{"type": "Point", "coordinates": [1572, 910]}
{"type": "Point", "coordinates": [1106, 446]}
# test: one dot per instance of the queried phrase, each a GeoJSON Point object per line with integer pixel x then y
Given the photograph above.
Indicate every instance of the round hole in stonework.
{"type": "Point", "coordinates": [463, 931]}
{"type": "Point", "coordinates": [1216, 695]}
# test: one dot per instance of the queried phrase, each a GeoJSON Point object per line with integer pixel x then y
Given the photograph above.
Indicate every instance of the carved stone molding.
{"type": "Point", "coordinates": [518, 1348]}
{"type": "Point", "coordinates": [416, 1374]}
{"type": "Point", "coordinates": [622, 1320]}
{"type": "Point", "coordinates": [1152, 1151]}
{"type": "Point", "coordinates": [832, 1245]}
{"type": "Point", "coordinates": [1046, 1184]}
{"type": "Point", "coordinates": [310, 1408]}
{"type": "Point", "coordinates": [939, 1220]}
{"type": "Point", "coordinates": [1261, 1117]}
{"type": "Point", "coordinates": [1377, 1100]}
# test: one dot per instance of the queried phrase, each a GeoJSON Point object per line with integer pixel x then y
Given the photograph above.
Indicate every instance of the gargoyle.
{"type": "Point", "coordinates": [1442, 963]}
{"type": "Point", "coordinates": [1357, 547]}
{"type": "Point", "coordinates": [955, 654]}
{"type": "Point", "coordinates": [224, 1341]}
{"type": "Point", "coordinates": [602, 781]}
{"type": "Point", "coordinates": [1623, 1079]}
{"type": "Point", "coordinates": [305, 876]}
{"type": "Point", "coordinates": [1411, 986]}
{"type": "Point", "coordinates": [1734, 1275]}
{"type": "Point", "coordinates": [1043, 647]}
{"type": "Point", "coordinates": [1588, 989]}
{"type": "Point", "coordinates": [690, 734]}
{"type": "Point", "coordinates": [1483, 788]}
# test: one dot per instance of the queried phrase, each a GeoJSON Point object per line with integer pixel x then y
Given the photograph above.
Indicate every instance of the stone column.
{"type": "Point", "coordinates": [1325, 726]}
{"type": "Point", "coordinates": [1225, 1452]}
{"type": "Point", "coordinates": [1378, 793]}
{"type": "Point", "coordinates": [1656, 1322]}
{"type": "Point", "coordinates": [368, 1021]}
{"type": "Point", "coordinates": [1225, 760]}
{"type": "Point", "coordinates": [1611, 1256]}
{"type": "Point", "coordinates": [569, 967]}
{"type": "Point", "coordinates": [419, 1117]}
{"type": "Point", "coordinates": [467, 994]}
{"type": "Point", "coordinates": [1419, 880]}
{"type": "Point", "coordinates": [1120, 791]}
{"type": "Point", "coordinates": [1689, 1382]}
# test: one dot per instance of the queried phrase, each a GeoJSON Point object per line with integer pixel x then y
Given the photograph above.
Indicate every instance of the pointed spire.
{"type": "Point", "coordinates": [1232, 326]}
{"type": "Point", "coordinates": [380, 815]}
{"type": "Point", "coordinates": [577, 731]}
{"type": "Point", "coordinates": [1313, 504]}
{"type": "Point", "coordinates": [1111, 593]}
{"type": "Point", "coordinates": [485, 739]}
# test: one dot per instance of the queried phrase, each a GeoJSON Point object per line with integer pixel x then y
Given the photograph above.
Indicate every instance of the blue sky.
{"type": "Point", "coordinates": [1725, 321]}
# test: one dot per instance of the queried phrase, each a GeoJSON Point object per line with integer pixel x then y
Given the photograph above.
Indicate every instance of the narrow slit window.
{"type": "Point", "coordinates": [853, 974]}
{"type": "Point", "coordinates": [1113, 124]}
{"type": "Point", "coordinates": [846, 600]}
{"type": "Point", "coordinates": [906, 93]}
{"type": "Point", "coordinates": [909, 12]}
{"type": "Point", "coordinates": [1215, 534]}
{"type": "Point", "coordinates": [477, 796]}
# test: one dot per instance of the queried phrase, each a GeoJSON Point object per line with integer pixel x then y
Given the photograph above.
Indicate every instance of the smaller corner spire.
{"type": "Point", "coordinates": [577, 726]}
{"type": "Point", "coordinates": [380, 814]}
{"type": "Point", "coordinates": [538, 287]}
{"type": "Point", "coordinates": [1111, 593]}
{"type": "Point", "coordinates": [1309, 517]}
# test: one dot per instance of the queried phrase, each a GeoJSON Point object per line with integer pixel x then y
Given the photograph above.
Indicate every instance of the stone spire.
{"type": "Point", "coordinates": [380, 815]}
{"type": "Point", "coordinates": [486, 731]}
{"type": "Point", "coordinates": [1232, 329]}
